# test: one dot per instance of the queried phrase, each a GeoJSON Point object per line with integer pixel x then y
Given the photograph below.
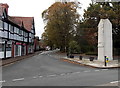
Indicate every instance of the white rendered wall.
{"type": "Point", "coordinates": [105, 40]}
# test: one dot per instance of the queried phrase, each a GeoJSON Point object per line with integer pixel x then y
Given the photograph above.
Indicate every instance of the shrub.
{"type": "Point", "coordinates": [74, 47]}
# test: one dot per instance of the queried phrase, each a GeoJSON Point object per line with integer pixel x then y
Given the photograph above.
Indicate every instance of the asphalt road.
{"type": "Point", "coordinates": [49, 70]}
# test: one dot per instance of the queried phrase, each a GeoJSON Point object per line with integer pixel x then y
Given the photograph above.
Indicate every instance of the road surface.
{"type": "Point", "coordinates": [49, 70]}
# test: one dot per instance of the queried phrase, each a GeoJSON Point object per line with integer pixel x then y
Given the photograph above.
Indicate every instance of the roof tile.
{"type": "Point", "coordinates": [27, 21]}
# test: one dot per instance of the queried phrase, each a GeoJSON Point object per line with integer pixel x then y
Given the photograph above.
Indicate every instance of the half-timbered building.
{"type": "Point", "coordinates": [16, 34]}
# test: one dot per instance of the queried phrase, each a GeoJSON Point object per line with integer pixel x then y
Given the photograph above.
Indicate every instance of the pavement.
{"type": "Point", "coordinates": [9, 61]}
{"type": "Point", "coordinates": [94, 63]}
{"type": "Point", "coordinates": [86, 61]}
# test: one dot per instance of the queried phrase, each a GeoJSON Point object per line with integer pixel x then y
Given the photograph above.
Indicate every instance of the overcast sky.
{"type": "Point", "coordinates": [34, 8]}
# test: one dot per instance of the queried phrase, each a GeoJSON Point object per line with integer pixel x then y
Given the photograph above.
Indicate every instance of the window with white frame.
{"type": "Point", "coordinates": [29, 34]}
{"type": "Point", "coordinates": [32, 36]}
{"type": "Point", "coordinates": [15, 30]}
{"type": "Point", "coordinates": [32, 31]}
{"type": "Point", "coordinates": [23, 33]}
{"type": "Point", "coordinates": [8, 47]}
{"type": "Point", "coordinates": [5, 26]}
{"type": "Point", "coordinates": [2, 47]}
{"type": "Point", "coordinates": [20, 31]}
{"type": "Point", "coordinates": [26, 34]}
{"type": "Point", "coordinates": [11, 28]}
{"type": "Point", "coordinates": [32, 27]}
{"type": "Point", "coordinates": [1, 25]}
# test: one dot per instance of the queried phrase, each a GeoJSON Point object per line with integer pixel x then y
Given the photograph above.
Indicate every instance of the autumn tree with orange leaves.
{"type": "Point", "coordinates": [60, 24]}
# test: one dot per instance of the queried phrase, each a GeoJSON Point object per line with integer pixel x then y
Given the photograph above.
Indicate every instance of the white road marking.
{"type": "Point", "coordinates": [104, 69]}
{"type": "Point", "coordinates": [68, 73]}
{"type": "Point", "coordinates": [62, 74]}
{"type": "Point", "coordinates": [76, 72]}
{"type": "Point", "coordinates": [51, 75]}
{"type": "Point", "coordinates": [87, 71]}
{"type": "Point", "coordinates": [97, 70]}
{"type": "Point", "coordinates": [40, 76]}
{"type": "Point", "coordinates": [115, 82]}
{"type": "Point", "coordinates": [2, 81]}
{"type": "Point", "coordinates": [20, 79]}
{"type": "Point", "coordinates": [34, 77]}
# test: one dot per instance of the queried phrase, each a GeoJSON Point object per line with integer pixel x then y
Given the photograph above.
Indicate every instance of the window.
{"type": "Point", "coordinates": [29, 34]}
{"type": "Point", "coordinates": [15, 29]}
{"type": "Point", "coordinates": [32, 26]}
{"type": "Point", "coordinates": [8, 47]}
{"type": "Point", "coordinates": [5, 26]}
{"type": "Point", "coordinates": [1, 25]}
{"type": "Point", "coordinates": [2, 46]}
{"type": "Point", "coordinates": [20, 32]}
{"type": "Point", "coordinates": [16, 50]}
{"type": "Point", "coordinates": [32, 36]}
{"type": "Point", "coordinates": [26, 34]}
{"type": "Point", "coordinates": [32, 31]}
{"type": "Point", "coordinates": [11, 28]}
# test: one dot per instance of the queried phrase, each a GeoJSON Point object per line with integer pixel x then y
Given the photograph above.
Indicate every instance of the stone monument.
{"type": "Point", "coordinates": [105, 46]}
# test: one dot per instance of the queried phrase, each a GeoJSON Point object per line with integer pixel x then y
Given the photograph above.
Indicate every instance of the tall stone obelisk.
{"type": "Point", "coordinates": [105, 46]}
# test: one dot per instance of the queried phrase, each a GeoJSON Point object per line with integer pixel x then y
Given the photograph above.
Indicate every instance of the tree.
{"type": "Point", "coordinates": [87, 27]}
{"type": "Point", "coordinates": [60, 19]}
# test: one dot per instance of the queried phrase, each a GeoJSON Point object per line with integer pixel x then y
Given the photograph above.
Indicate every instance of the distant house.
{"type": "Point", "coordinates": [37, 44]}
{"type": "Point", "coordinates": [16, 34]}
{"type": "Point", "coordinates": [42, 44]}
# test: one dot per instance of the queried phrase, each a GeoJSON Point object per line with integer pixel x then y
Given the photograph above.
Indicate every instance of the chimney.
{"type": "Point", "coordinates": [4, 6]}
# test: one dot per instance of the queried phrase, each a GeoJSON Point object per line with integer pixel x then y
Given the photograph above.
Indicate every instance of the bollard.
{"type": "Point", "coordinates": [105, 61]}
{"type": "Point", "coordinates": [67, 55]}
{"type": "Point", "coordinates": [91, 58]}
{"type": "Point", "coordinates": [80, 57]}
{"type": "Point", "coordinates": [71, 56]}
